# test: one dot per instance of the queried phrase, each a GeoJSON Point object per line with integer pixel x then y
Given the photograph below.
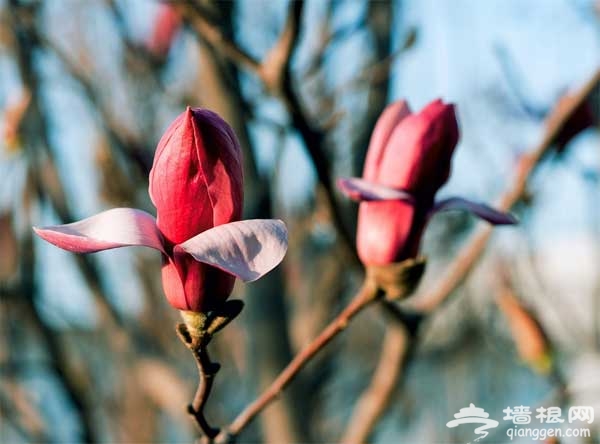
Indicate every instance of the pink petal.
{"type": "Point", "coordinates": [420, 149]}
{"type": "Point", "coordinates": [247, 249]}
{"type": "Point", "coordinates": [364, 190]}
{"type": "Point", "coordinates": [119, 227]}
{"type": "Point", "coordinates": [196, 181]}
{"type": "Point", "coordinates": [480, 210]}
{"type": "Point", "coordinates": [387, 122]}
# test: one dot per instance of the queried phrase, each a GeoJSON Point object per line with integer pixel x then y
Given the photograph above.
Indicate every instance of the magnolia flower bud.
{"type": "Point", "coordinates": [408, 160]}
{"type": "Point", "coordinates": [410, 152]}
{"type": "Point", "coordinates": [195, 184]}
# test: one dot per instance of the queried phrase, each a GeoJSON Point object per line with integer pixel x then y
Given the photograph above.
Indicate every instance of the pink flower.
{"type": "Point", "coordinates": [407, 162]}
{"type": "Point", "coordinates": [196, 185]}
{"type": "Point", "coordinates": [166, 26]}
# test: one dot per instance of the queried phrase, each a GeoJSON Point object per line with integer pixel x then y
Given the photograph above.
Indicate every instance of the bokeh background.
{"type": "Point", "coordinates": [88, 350]}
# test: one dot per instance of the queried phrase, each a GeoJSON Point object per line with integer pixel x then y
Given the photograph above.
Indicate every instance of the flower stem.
{"type": "Point", "coordinates": [367, 294]}
{"type": "Point", "coordinates": [206, 372]}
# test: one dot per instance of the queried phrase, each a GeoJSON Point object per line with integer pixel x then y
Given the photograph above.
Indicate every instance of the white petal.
{"type": "Point", "coordinates": [119, 227]}
{"type": "Point", "coordinates": [248, 249]}
{"type": "Point", "coordinates": [364, 190]}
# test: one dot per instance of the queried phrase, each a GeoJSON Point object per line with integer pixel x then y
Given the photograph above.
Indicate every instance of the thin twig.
{"type": "Point", "coordinates": [377, 396]}
{"type": "Point", "coordinates": [123, 142]}
{"type": "Point", "coordinates": [213, 35]}
{"type": "Point", "coordinates": [367, 294]}
{"type": "Point", "coordinates": [206, 372]}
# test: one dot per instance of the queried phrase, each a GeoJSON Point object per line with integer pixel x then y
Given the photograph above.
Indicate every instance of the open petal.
{"type": "Point", "coordinates": [248, 249]}
{"type": "Point", "coordinates": [364, 190]}
{"type": "Point", "coordinates": [480, 210]}
{"type": "Point", "coordinates": [119, 227]}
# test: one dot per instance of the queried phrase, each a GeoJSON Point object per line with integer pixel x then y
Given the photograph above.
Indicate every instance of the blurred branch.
{"type": "Point", "coordinates": [47, 183]}
{"type": "Point", "coordinates": [470, 253]}
{"type": "Point", "coordinates": [366, 295]}
{"type": "Point", "coordinates": [326, 39]}
{"type": "Point", "coordinates": [375, 76]}
{"type": "Point", "coordinates": [514, 78]}
{"type": "Point", "coordinates": [124, 142]}
{"type": "Point", "coordinates": [136, 53]}
{"type": "Point", "coordinates": [46, 177]}
{"type": "Point", "coordinates": [379, 71]}
{"type": "Point", "coordinates": [215, 37]}
{"type": "Point", "coordinates": [397, 352]}
{"type": "Point", "coordinates": [530, 339]}
{"type": "Point", "coordinates": [17, 407]}
{"type": "Point", "coordinates": [377, 396]}
{"type": "Point", "coordinates": [52, 345]}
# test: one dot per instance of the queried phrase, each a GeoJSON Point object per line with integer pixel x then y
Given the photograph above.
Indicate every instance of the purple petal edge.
{"type": "Point", "coordinates": [480, 210]}
{"type": "Point", "coordinates": [361, 190]}
{"type": "Point", "coordinates": [118, 227]}
{"type": "Point", "coordinates": [248, 249]}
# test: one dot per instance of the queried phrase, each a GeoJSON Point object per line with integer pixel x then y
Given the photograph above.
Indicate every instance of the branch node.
{"type": "Point", "coordinates": [397, 280]}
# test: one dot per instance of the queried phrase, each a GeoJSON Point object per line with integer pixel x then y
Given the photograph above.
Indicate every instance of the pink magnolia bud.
{"type": "Point", "coordinates": [409, 152]}
{"type": "Point", "coordinates": [166, 26]}
{"type": "Point", "coordinates": [407, 162]}
{"type": "Point", "coordinates": [195, 184]}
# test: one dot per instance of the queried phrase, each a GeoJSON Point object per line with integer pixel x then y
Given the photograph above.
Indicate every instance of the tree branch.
{"type": "Point", "coordinates": [46, 177]}
{"type": "Point", "coordinates": [215, 37]}
{"type": "Point", "coordinates": [377, 396]}
{"type": "Point", "coordinates": [206, 371]}
{"type": "Point", "coordinates": [367, 294]}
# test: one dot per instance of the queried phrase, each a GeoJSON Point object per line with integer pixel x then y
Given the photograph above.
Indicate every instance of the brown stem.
{"type": "Point", "coordinates": [399, 345]}
{"type": "Point", "coordinates": [377, 396]}
{"type": "Point", "coordinates": [367, 294]}
{"type": "Point", "coordinates": [215, 37]}
{"type": "Point", "coordinates": [206, 372]}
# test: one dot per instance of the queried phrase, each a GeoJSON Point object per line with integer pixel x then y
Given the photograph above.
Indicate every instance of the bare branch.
{"type": "Point", "coordinates": [206, 371]}
{"type": "Point", "coordinates": [216, 38]}
{"type": "Point", "coordinates": [377, 396]}
{"type": "Point", "coordinates": [367, 294]}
